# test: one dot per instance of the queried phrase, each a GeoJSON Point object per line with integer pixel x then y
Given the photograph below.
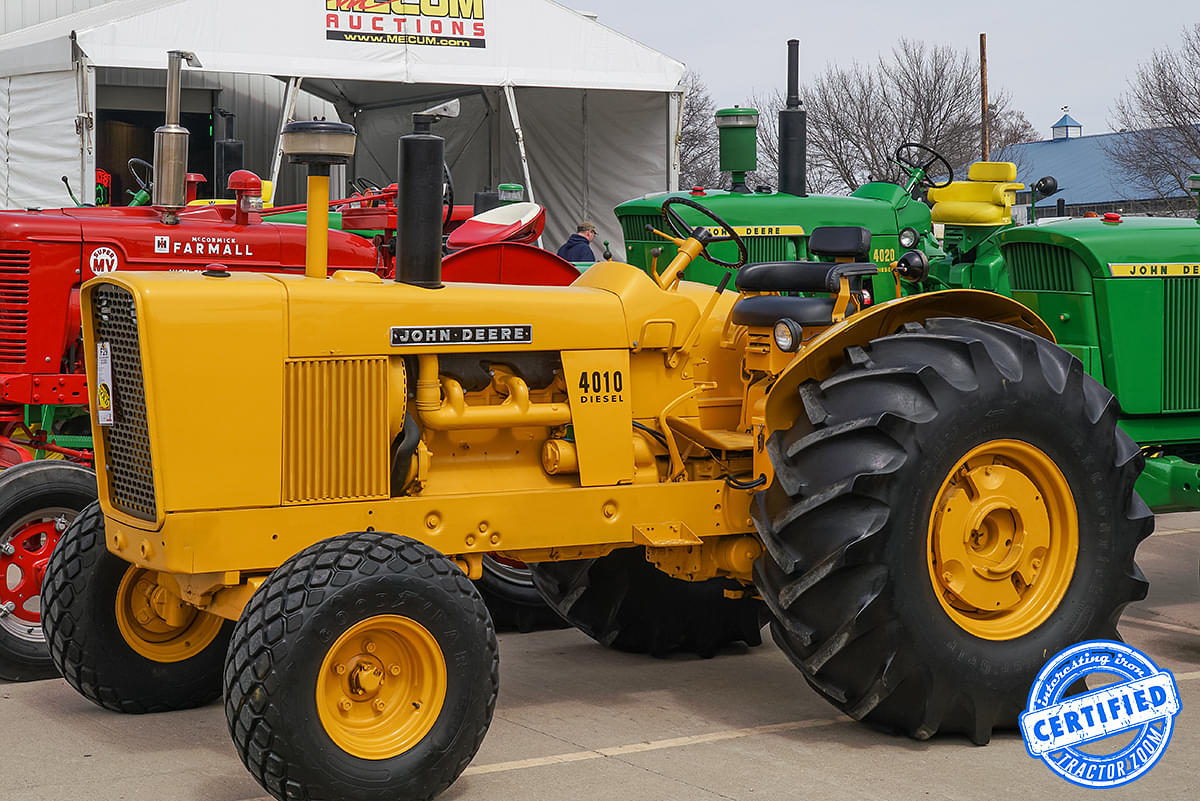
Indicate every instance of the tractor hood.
{"type": "Point", "coordinates": [766, 210]}
{"type": "Point", "coordinates": [1116, 248]}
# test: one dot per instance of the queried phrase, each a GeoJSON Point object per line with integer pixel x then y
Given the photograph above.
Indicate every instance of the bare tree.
{"type": "Point", "coordinates": [698, 151]}
{"type": "Point", "coordinates": [922, 93]}
{"type": "Point", "coordinates": [1159, 115]}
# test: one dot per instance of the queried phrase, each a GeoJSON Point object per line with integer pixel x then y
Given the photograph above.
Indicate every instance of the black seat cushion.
{"type": "Point", "coordinates": [800, 276]}
{"type": "Point", "coordinates": [845, 241]}
{"type": "Point", "coordinates": [766, 310]}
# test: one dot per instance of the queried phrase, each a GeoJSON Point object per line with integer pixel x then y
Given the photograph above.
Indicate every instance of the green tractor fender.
{"type": "Point", "coordinates": [827, 352]}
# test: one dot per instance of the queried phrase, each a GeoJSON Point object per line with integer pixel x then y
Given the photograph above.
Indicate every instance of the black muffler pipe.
{"type": "Point", "coordinates": [419, 210]}
{"type": "Point", "coordinates": [793, 130]}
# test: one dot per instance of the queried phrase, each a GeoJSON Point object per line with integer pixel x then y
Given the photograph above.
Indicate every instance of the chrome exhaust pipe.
{"type": "Point", "coordinates": [169, 193]}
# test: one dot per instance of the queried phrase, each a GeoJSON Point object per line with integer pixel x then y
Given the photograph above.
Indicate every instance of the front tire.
{"type": "Point", "coordinates": [957, 508]}
{"type": "Point", "coordinates": [365, 667]}
{"type": "Point", "coordinates": [104, 625]}
{"type": "Point", "coordinates": [623, 602]}
{"type": "Point", "coordinates": [37, 502]}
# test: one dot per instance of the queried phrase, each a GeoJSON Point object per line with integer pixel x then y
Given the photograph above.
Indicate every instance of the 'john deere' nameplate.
{"type": "Point", "coordinates": [403, 335]}
{"type": "Point", "coordinates": [1170, 270]}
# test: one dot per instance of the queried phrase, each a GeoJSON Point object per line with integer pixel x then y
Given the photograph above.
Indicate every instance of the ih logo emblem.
{"type": "Point", "coordinates": [162, 244]}
{"type": "Point", "coordinates": [104, 260]}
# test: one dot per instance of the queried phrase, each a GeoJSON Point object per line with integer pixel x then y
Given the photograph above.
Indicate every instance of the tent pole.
{"type": "Point", "coordinates": [511, 96]}
{"type": "Point", "coordinates": [83, 121]}
{"type": "Point", "coordinates": [289, 111]}
{"type": "Point", "coordinates": [675, 124]}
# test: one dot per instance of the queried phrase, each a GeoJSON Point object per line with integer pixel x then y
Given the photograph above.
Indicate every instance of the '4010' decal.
{"type": "Point", "coordinates": [601, 386]}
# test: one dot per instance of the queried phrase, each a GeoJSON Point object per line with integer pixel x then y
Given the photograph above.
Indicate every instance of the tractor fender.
{"type": "Point", "coordinates": [827, 351]}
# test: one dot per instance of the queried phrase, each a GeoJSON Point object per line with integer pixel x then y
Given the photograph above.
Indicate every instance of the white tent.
{"type": "Point", "coordinates": [583, 115]}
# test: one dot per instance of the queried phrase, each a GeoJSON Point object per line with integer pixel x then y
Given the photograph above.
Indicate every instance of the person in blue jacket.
{"type": "Point", "coordinates": [578, 246]}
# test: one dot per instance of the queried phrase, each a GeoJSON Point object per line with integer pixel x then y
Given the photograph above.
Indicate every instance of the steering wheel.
{"type": "Point", "coordinates": [146, 182]}
{"type": "Point", "coordinates": [447, 195]}
{"type": "Point", "coordinates": [683, 230]}
{"type": "Point", "coordinates": [365, 185]}
{"type": "Point", "coordinates": [923, 164]}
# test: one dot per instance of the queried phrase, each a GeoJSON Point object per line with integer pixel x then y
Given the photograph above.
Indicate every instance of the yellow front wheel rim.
{"type": "Point", "coordinates": [381, 687]}
{"type": "Point", "coordinates": [1003, 540]}
{"type": "Point", "coordinates": [159, 625]}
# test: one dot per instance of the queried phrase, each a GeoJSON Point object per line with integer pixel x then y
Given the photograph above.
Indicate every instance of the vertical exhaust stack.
{"type": "Point", "coordinates": [419, 211]}
{"type": "Point", "coordinates": [171, 144]}
{"type": "Point", "coordinates": [793, 130]}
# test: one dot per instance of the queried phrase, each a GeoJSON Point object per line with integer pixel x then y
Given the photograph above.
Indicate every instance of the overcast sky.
{"type": "Point", "coordinates": [1046, 54]}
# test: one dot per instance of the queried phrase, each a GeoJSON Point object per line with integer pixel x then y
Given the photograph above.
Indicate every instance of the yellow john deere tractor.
{"type": "Point", "coordinates": [925, 498]}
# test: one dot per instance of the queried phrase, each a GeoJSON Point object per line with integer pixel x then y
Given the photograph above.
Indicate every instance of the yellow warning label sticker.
{"type": "Point", "coordinates": [1172, 270]}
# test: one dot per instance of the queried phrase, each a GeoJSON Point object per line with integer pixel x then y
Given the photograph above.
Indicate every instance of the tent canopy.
{"type": "Point", "coordinates": [476, 43]}
{"type": "Point", "coordinates": [596, 111]}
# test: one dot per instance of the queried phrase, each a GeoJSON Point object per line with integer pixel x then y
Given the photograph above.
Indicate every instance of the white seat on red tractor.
{"type": "Point", "coordinates": [516, 222]}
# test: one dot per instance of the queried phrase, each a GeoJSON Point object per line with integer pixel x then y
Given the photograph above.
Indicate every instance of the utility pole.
{"type": "Point", "coordinates": [983, 94]}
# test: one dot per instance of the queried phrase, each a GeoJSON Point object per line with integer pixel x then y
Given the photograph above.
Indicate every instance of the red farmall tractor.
{"type": "Point", "coordinates": [46, 255]}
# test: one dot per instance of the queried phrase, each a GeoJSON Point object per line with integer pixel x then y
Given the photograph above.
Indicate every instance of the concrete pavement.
{"type": "Point", "coordinates": [576, 721]}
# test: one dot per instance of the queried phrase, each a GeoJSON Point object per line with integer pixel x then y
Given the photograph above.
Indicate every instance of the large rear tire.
{"type": "Point", "coordinates": [622, 601]}
{"type": "Point", "coordinates": [104, 624]}
{"type": "Point", "coordinates": [513, 598]}
{"type": "Point", "coordinates": [365, 667]}
{"type": "Point", "coordinates": [957, 508]}
{"type": "Point", "coordinates": [38, 500]}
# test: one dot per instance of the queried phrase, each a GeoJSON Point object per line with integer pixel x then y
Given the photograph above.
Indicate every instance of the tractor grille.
{"type": "Point", "coordinates": [633, 227]}
{"type": "Point", "coordinates": [1181, 345]}
{"type": "Point", "coordinates": [127, 440]}
{"type": "Point", "coordinates": [1039, 268]}
{"type": "Point", "coordinates": [335, 430]}
{"type": "Point", "coordinates": [768, 248]}
{"type": "Point", "coordinates": [14, 306]}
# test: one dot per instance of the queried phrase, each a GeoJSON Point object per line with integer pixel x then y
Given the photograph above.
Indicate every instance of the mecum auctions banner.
{"type": "Point", "coordinates": [431, 23]}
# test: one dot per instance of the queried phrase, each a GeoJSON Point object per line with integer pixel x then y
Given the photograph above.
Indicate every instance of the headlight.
{"type": "Point", "coordinates": [909, 238]}
{"type": "Point", "coordinates": [787, 335]}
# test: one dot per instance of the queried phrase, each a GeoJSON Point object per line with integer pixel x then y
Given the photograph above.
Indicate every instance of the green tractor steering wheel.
{"type": "Point", "coordinates": [683, 230]}
{"type": "Point", "coordinates": [142, 196]}
{"type": "Point", "coordinates": [918, 168]}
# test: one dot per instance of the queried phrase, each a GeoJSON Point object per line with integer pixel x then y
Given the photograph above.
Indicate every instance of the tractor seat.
{"type": "Point", "coordinates": [766, 310]}
{"type": "Point", "coordinates": [516, 222]}
{"type": "Point", "coordinates": [830, 241]}
{"type": "Point", "coordinates": [800, 276]}
{"type": "Point", "coordinates": [851, 242]}
{"type": "Point", "coordinates": [985, 198]}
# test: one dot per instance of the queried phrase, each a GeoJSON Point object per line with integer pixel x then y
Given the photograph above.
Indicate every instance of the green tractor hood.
{"type": "Point", "coordinates": [775, 225]}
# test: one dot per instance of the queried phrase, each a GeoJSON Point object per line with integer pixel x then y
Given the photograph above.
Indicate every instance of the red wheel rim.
{"type": "Point", "coordinates": [31, 551]}
{"type": "Point", "coordinates": [25, 550]}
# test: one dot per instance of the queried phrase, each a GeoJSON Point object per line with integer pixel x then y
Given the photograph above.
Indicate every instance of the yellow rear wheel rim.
{"type": "Point", "coordinates": [381, 687]}
{"type": "Point", "coordinates": [1003, 540]}
{"type": "Point", "coordinates": [157, 624]}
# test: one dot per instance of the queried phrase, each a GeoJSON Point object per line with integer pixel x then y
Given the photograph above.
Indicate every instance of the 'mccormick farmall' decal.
{"type": "Point", "coordinates": [441, 23]}
{"type": "Point", "coordinates": [403, 335]}
{"type": "Point", "coordinates": [202, 246]}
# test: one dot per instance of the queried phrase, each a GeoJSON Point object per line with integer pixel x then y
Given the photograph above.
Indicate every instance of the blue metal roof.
{"type": "Point", "coordinates": [1067, 120]}
{"type": "Point", "coordinates": [1082, 167]}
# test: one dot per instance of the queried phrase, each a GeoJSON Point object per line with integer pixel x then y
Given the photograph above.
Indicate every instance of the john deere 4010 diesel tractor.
{"type": "Point", "coordinates": [923, 497]}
